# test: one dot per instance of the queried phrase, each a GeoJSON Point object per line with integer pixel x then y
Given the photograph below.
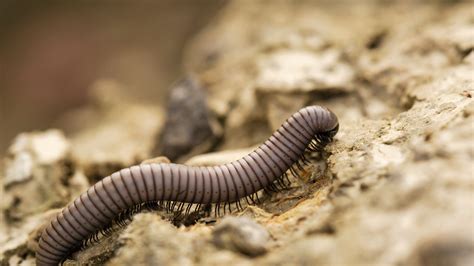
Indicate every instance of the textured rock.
{"type": "Point", "coordinates": [151, 241]}
{"type": "Point", "coordinates": [19, 241]}
{"type": "Point", "coordinates": [36, 169]}
{"type": "Point", "coordinates": [315, 71]}
{"type": "Point", "coordinates": [390, 166]}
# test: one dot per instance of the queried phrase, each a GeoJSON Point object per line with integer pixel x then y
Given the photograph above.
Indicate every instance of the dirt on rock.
{"type": "Point", "coordinates": [395, 187]}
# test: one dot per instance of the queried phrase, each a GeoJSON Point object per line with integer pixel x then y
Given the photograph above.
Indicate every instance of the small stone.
{"type": "Point", "coordinates": [242, 235]}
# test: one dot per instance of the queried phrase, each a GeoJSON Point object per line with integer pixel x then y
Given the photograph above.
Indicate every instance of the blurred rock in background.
{"type": "Point", "coordinates": [189, 124]}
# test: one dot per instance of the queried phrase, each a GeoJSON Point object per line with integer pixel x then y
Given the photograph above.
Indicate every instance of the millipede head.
{"type": "Point", "coordinates": [331, 133]}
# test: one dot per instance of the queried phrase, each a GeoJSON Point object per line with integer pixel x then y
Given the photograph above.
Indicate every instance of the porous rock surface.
{"type": "Point", "coordinates": [397, 186]}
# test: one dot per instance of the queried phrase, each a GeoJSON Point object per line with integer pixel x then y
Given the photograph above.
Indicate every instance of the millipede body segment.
{"type": "Point", "coordinates": [311, 128]}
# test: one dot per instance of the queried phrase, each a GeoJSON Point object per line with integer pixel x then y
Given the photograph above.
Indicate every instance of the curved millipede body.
{"type": "Point", "coordinates": [310, 128]}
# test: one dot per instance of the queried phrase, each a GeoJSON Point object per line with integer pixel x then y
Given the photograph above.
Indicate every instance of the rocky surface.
{"type": "Point", "coordinates": [38, 168]}
{"type": "Point", "coordinates": [394, 188]}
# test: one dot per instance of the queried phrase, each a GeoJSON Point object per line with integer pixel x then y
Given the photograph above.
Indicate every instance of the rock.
{"type": "Point", "coordinates": [149, 240]}
{"type": "Point", "coordinates": [188, 123]}
{"type": "Point", "coordinates": [381, 137]}
{"type": "Point", "coordinates": [18, 241]}
{"type": "Point", "coordinates": [247, 113]}
{"type": "Point", "coordinates": [424, 55]}
{"type": "Point", "coordinates": [97, 253]}
{"type": "Point", "coordinates": [310, 251]}
{"type": "Point", "coordinates": [303, 71]}
{"type": "Point", "coordinates": [118, 132]}
{"type": "Point", "coordinates": [225, 257]}
{"type": "Point", "coordinates": [35, 148]}
{"type": "Point", "coordinates": [241, 235]}
{"type": "Point", "coordinates": [280, 106]}
{"type": "Point", "coordinates": [37, 169]}
{"type": "Point", "coordinates": [384, 155]}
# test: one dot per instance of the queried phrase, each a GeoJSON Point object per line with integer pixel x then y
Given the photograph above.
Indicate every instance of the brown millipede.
{"type": "Point", "coordinates": [125, 191]}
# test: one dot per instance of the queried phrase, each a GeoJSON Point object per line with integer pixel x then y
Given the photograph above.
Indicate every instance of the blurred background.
{"type": "Point", "coordinates": [51, 52]}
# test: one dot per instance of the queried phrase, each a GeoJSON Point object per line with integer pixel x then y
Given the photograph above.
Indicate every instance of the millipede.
{"type": "Point", "coordinates": [180, 188]}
